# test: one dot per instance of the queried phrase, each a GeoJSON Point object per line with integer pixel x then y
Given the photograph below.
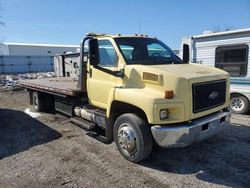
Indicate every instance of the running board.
{"type": "Point", "coordinates": [93, 130]}
{"type": "Point", "coordinates": [98, 136]}
{"type": "Point", "coordinates": [83, 123]}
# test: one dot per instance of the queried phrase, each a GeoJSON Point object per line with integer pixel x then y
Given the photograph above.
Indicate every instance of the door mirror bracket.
{"type": "Point", "coordinates": [120, 73]}
{"type": "Point", "coordinates": [185, 57]}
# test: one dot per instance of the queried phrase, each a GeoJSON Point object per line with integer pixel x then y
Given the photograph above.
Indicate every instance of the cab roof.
{"type": "Point", "coordinates": [100, 35]}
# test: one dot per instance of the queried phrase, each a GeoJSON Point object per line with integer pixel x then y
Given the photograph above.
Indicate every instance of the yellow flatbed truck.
{"type": "Point", "coordinates": [139, 92]}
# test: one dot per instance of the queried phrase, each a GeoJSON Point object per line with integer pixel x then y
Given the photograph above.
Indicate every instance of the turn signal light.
{"type": "Point", "coordinates": [169, 94]}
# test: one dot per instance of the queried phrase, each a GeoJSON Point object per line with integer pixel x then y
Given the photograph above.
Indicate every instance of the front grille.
{"type": "Point", "coordinates": [207, 95]}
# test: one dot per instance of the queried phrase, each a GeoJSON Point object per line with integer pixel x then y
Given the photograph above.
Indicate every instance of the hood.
{"type": "Point", "coordinates": [187, 71]}
{"type": "Point", "coordinates": [172, 74]}
{"type": "Point", "coordinates": [179, 78]}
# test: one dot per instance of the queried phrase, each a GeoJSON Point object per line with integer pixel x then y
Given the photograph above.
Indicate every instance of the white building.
{"type": "Point", "coordinates": [24, 49]}
{"type": "Point", "coordinates": [23, 57]}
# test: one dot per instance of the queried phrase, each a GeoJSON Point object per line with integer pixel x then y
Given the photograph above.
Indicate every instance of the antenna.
{"type": "Point", "coordinates": [139, 27]}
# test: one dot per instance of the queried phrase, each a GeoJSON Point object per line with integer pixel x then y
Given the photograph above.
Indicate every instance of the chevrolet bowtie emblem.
{"type": "Point", "coordinates": [213, 95]}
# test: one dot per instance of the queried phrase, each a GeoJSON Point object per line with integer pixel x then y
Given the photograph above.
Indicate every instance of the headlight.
{"type": "Point", "coordinates": [164, 114]}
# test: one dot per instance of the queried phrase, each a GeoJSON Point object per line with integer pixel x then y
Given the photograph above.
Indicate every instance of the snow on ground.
{"type": "Point", "coordinates": [10, 81]}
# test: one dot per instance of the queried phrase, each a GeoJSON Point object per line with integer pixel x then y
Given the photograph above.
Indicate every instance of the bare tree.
{"type": "Point", "coordinates": [216, 29]}
{"type": "Point", "coordinates": [219, 28]}
{"type": "Point", "coordinates": [229, 28]}
{"type": "Point", "coordinates": [2, 24]}
{"type": "Point", "coordinates": [1, 17]}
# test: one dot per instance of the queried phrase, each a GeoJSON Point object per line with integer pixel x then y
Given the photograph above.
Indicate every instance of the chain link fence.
{"type": "Point", "coordinates": [26, 64]}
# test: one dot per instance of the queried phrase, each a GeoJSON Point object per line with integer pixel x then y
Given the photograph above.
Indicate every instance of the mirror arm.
{"type": "Point", "coordinates": [83, 70]}
{"type": "Point", "coordinates": [119, 73]}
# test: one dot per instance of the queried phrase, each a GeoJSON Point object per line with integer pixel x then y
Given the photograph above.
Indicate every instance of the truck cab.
{"type": "Point", "coordinates": [136, 89]}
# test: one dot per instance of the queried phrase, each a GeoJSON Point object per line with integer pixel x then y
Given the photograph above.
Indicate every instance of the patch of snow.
{"type": "Point", "coordinates": [11, 80]}
{"type": "Point", "coordinates": [32, 114]}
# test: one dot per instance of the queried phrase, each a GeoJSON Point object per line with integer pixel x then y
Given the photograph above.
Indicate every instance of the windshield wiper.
{"type": "Point", "coordinates": [155, 62]}
{"type": "Point", "coordinates": [142, 62]}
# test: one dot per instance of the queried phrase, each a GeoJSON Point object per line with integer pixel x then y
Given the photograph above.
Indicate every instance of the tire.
{"type": "Point", "coordinates": [239, 104]}
{"type": "Point", "coordinates": [133, 137]}
{"type": "Point", "coordinates": [49, 105]}
{"type": "Point", "coordinates": [38, 101]}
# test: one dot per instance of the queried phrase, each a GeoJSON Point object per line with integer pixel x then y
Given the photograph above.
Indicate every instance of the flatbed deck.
{"type": "Point", "coordinates": [59, 85]}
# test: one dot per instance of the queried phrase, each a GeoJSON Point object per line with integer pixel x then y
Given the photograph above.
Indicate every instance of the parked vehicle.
{"type": "Point", "coordinates": [229, 51]}
{"type": "Point", "coordinates": [139, 92]}
{"type": "Point", "coordinates": [67, 65]}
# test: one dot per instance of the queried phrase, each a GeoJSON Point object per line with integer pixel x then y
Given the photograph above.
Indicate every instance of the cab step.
{"type": "Point", "coordinates": [83, 123]}
{"type": "Point", "coordinates": [93, 130]}
{"type": "Point", "coordinates": [99, 136]}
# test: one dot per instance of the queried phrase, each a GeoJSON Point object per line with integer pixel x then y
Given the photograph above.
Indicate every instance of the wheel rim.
{"type": "Point", "coordinates": [127, 139]}
{"type": "Point", "coordinates": [237, 104]}
{"type": "Point", "coordinates": [36, 103]}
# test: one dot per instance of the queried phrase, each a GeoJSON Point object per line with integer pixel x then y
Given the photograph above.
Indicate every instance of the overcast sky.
{"type": "Point", "coordinates": [66, 22]}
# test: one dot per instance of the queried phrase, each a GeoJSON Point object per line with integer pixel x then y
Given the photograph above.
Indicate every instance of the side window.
{"type": "Point", "coordinates": [155, 49]}
{"type": "Point", "coordinates": [127, 51]}
{"type": "Point", "coordinates": [108, 56]}
{"type": "Point", "coordinates": [232, 59]}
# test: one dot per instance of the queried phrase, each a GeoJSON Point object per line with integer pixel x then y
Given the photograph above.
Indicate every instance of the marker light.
{"type": "Point", "coordinates": [169, 94]}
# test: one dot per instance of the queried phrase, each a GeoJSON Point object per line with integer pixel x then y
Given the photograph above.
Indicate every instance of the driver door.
{"type": "Point", "coordinates": [99, 83]}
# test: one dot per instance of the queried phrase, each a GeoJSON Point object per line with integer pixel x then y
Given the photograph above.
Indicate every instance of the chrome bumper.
{"type": "Point", "coordinates": [186, 134]}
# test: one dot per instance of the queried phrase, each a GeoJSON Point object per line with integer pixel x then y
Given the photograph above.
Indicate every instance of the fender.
{"type": "Point", "coordinates": [142, 98]}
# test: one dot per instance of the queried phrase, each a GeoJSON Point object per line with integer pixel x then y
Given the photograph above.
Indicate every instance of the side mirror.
{"type": "Point", "coordinates": [185, 57]}
{"type": "Point", "coordinates": [94, 57]}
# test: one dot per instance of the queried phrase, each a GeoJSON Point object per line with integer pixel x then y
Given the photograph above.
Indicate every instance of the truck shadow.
{"type": "Point", "coordinates": [223, 159]}
{"type": "Point", "coordinates": [20, 132]}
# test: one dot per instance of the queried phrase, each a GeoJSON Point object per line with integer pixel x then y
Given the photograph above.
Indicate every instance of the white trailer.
{"type": "Point", "coordinates": [229, 51]}
{"type": "Point", "coordinates": [67, 65]}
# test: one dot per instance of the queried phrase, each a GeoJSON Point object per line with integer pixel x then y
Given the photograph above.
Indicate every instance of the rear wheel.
{"type": "Point", "coordinates": [133, 137]}
{"type": "Point", "coordinates": [38, 101]}
{"type": "Point", "coordinates": [239, 104]}
{"type": "Point", "coordinates": [49, 105]}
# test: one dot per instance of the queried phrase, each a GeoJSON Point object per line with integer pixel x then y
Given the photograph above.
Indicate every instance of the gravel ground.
{"type": "Point", "coordinates": [52, 152]}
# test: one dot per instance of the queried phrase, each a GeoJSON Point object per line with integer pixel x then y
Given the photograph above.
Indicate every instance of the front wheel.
{"type": "Point", "coordinates": [133, 137]}
{"type": "Point", "coordinates": [239, 104]}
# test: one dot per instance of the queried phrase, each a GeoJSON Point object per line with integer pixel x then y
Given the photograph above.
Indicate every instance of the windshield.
{"type": "Point", "coordinates": [146, 51]}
